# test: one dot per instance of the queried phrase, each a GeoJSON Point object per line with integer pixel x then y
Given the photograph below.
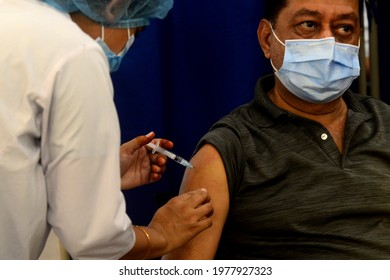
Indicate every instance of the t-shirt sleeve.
{"type": "Point", "coordinates": [227, 142]}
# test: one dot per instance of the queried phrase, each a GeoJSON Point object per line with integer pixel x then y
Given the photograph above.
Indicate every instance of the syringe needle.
{"type": "Point", "coordinates": [182, 161]}
{"type": "Point", "coordinates": [158, 149]}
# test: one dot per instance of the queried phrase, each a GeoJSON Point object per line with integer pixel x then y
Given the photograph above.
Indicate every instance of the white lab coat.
{"type": "Point", "coordinates": [59, 139]}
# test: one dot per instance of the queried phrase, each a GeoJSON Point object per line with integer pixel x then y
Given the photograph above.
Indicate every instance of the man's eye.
{"type": "Point", "coordinates": [308, 24]}
{"type": "Point", "coordinates": [344, 31]}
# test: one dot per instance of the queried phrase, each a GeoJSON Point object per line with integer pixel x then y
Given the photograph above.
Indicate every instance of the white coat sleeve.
{"type": "Point", "coordinates": [80, 154]}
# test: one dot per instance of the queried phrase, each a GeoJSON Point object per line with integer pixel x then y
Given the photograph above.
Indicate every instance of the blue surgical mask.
{"type": "Point", "coordinates": [318, 70]}
{"type": "Point", "coordinates": [114, 60]}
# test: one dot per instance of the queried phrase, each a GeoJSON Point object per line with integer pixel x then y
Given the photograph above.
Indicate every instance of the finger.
{"type": "Point", "coordinates": [158, 169]}
{"type": "Point", "coordinates": [150, 136]}
{"type": "Point", "coordinates": [156, 173]}
{"type": "Point", "coordinates": [136, 143]}
{"type": "Point", "coordinates": [158, 159]}
{"type": "Point", "coordinates": [205, 223]}
{"type": "Point", "coordinates": [204, 211]}
{"type": "Point", "coordinates": [162, 161]}
{"type": "Point", "coordinates": [155, 177]}
{"type": "Point", "coordinates": [197, 197]}
{"type": "Point", "coordinates": [142, 140]}
{"type": "Point", "coordinates": [164, 143]}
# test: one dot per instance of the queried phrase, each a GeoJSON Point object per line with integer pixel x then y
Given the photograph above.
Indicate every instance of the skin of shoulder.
{"type": "Point", "coordinates": [209, 173]}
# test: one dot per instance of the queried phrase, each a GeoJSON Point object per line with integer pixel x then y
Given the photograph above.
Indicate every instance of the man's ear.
{"type": "Point", "coordinates": [263, 34]}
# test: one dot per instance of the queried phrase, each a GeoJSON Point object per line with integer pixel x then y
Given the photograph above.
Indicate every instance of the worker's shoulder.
{"type": "Point", "coordinates": [40, 36]}
{"type": "Point", "coordinates": [45, 24]}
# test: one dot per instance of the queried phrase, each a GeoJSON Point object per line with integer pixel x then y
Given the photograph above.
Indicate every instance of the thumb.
{"type": "Point", "coordinates": [136, 143]}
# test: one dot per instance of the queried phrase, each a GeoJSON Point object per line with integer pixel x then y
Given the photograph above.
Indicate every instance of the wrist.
{"type": "Point", "coordinates": [148, 241]}
{"type": "Point", "coordinates": [159, 244]}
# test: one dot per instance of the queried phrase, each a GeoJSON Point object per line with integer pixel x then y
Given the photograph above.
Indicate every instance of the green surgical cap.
{"type": "Point", "coordinates": [116, 13]}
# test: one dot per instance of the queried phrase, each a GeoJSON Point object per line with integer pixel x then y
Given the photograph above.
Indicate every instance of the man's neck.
{"type": "Point", "coordinates": [322, 112]}
{"type": "Point", "coordinates": [332, 115]}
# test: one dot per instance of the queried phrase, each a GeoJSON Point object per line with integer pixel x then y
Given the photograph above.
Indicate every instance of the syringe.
{"type": "Point", "coordinates": [158, 149]}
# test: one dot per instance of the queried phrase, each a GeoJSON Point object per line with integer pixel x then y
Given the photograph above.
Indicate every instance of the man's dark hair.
{"type": "Point", "coordinates": [273, 8]}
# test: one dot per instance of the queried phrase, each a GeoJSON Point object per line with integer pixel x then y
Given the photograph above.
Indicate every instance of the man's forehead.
{"type": "Point", "coordinates": [317, 7]}
{"type": "Point", "coordinates": [329, 3]}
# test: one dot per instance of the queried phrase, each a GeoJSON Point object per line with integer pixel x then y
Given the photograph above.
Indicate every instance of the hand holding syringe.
{"type": "Point", "coordinates": [158, 149]}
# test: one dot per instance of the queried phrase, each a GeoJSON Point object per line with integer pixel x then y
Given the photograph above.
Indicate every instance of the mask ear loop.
{"type": "Point", "coordinates": [277, 38]}
{"type": "Point", "coordinates": [102, 32]}
{"type": "Point", "coordinates": [128, 27]}
{"type": "Point", "coordinates": [273, 67]}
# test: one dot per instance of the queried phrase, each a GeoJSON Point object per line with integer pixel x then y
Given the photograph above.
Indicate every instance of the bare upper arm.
{"type": "Point", "coordinates": [209, 173]}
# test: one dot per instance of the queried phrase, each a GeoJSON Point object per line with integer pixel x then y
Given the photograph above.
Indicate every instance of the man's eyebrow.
{"type": "Point", "coordinates": [314, 13]}
{"type": "Point", "coordinates": [350, 16]}
{"type": "Point", "coordinates": [307, 12]}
